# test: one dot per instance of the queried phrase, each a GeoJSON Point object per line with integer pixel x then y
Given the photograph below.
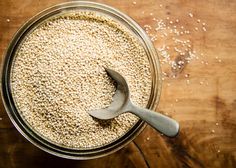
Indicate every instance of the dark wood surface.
{"type": "Point", "coordinates": [205, 108]}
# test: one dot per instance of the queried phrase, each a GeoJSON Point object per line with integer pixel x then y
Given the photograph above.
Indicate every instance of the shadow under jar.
{"type": "Point", "coordinates": [53, 73]}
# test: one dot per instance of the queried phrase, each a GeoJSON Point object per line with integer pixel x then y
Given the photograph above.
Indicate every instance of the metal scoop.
{"type": "Point", "coordinates": [122, 103]}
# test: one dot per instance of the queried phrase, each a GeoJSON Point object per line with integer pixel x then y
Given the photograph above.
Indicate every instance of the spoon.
{"type": "Point", "coordinates": [121, 103]}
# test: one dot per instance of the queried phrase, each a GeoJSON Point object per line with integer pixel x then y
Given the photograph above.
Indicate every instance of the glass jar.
{"type": "Point", "coordinates": [28, 132]}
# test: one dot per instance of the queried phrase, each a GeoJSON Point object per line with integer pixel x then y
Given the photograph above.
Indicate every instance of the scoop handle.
{"type": "Point", "coordinates": [160, 122]}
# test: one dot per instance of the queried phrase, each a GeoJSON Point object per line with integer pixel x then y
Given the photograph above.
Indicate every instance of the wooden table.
{"type": "Point", "coordinates": [204, 106]}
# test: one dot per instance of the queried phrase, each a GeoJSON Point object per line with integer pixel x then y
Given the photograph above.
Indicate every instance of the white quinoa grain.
{"type": "Point", "coordinates": [188, 82]}
{"type": "Point", "coordinates": [190, 15]}
{"type": "Point", "coordinates": [58, 76]}
{"type": "Point", "coordinates": [186, 75]}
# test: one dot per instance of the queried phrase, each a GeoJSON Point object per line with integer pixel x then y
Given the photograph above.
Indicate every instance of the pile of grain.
{"type": "Point", "coordinates": [58, 76]}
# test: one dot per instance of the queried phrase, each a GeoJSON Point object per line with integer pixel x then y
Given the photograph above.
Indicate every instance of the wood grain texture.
{"type": "Point", "coordinates": [201, 143]}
